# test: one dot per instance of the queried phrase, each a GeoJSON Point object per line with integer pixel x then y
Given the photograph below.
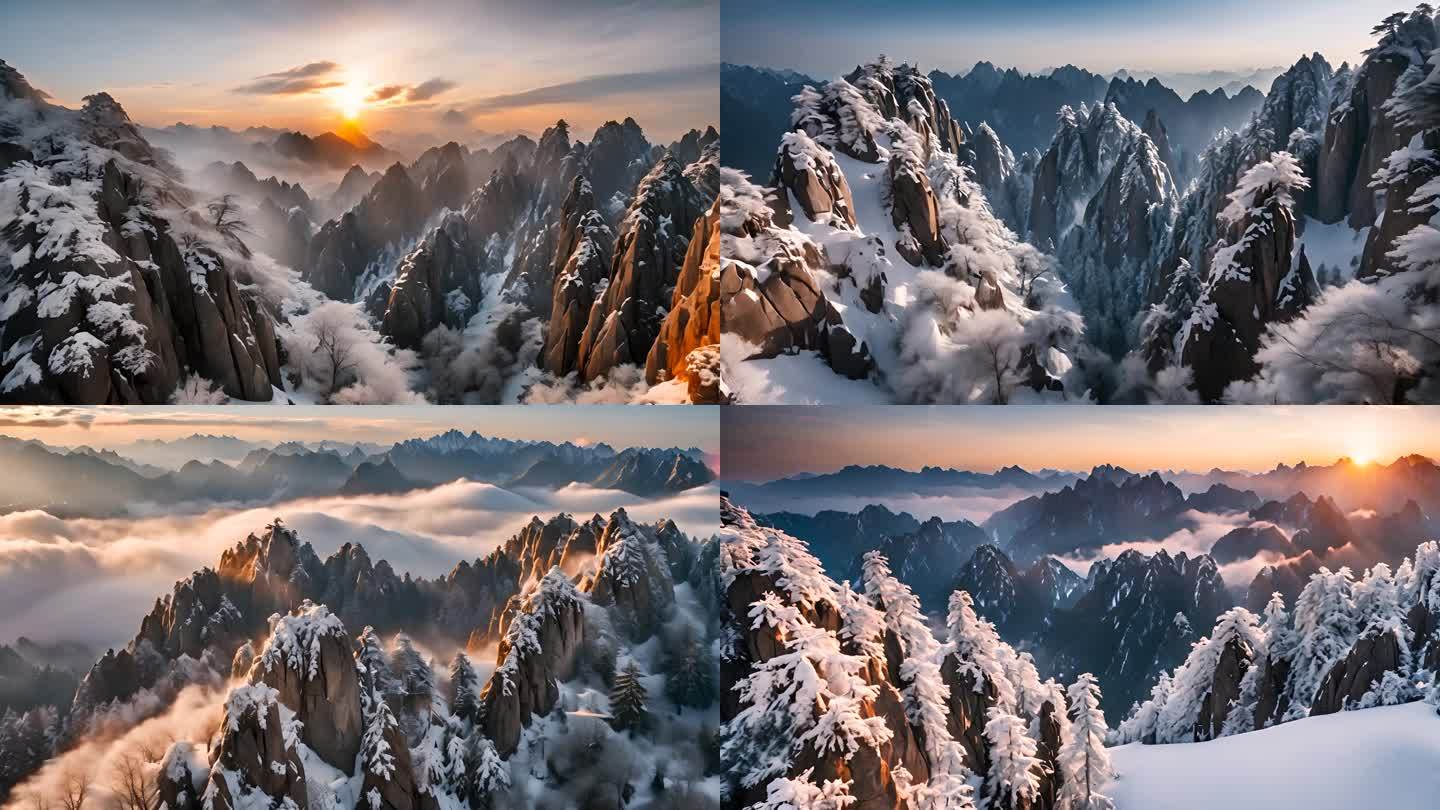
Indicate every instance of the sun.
{"type": "Point", "coordinates": [350, 99]}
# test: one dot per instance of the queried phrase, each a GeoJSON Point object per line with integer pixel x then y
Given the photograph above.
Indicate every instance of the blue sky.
{"type": "Point", "coordinates": [169, 60]}
{"type": "Point", "coordinates": [828, 38]}
{"type": "Point", "coordinates": [763, 443]}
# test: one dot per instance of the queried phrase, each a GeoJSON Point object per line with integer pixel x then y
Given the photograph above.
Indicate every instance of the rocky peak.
{"type": "Point", "coordinates": [650, 250]}
{"type": "Point", "coordinates": [539, 650]}
{"type": "Point", "coordinates": [257, 752]}
{"type": "Point", "coordinates": [634, 578]}
{"type": "Point", "coordinates": [308, 665]}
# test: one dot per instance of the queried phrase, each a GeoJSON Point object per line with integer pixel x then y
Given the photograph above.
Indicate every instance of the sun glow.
{"type": "Point", "coordinates": [350, 99]}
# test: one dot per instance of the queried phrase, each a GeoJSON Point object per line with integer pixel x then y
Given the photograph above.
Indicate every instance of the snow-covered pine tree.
{"type": "Point", "coordinates": [923, 689]}
{"type": "Point", "coordinates": [457, 772]}
{"type": "Point", "coordinates": [1273, 648]}
{"type": "Point", "coordinates": [627, 699]}
{"type": "Point", "coordinates": [1013, 780]}
{"type": "Point", "coordinates": [464, 688]}
{"type": "Point", "coordinates": [1144, 720]}
{"type": "Point", "coordinates": [690, 677]}
{"type": "Point", "coordinates": [1324, 631]}
{"type": "Point", "coordinates": [799, 793]}
{"type": "Point", "coordinates": [414, 673]}
{"type": "Point", "coordinates": [1083, 758]}
{"type": "Point", "coordinates": [1193, 681]}
{"type": "Point", "coordinates": [375, 754]}
{"type": "Point", "coordinates": [777, 719]}
{"type": "Point", "coordinates": [376, 677]}
{"type": "Point", "coordinates": [488, 773]}
{"type": "Point", "coordinates": [976, 647]}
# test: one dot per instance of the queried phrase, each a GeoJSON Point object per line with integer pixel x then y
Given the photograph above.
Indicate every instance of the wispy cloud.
{"type": "Point", "coordinates": [306, 78]}
{"type": "Point", "coordinates": [410, 94]}
{"type": "Point", "coordinates": [429, 89]}
{"type": "Point", "coordinates": [593, 87]}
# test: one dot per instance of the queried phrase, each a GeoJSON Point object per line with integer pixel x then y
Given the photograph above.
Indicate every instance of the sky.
{"type": "Point", "coordinates": [764, 443]}
{"type": "Point", "coordinates": [432, 66]}
{"type": "Point", "coordinates": [828, 38]}
{"type": "Point", "coordinates": [618, 425]}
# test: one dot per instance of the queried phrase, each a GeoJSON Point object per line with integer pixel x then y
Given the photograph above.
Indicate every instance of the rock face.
{"type": "Point", "coordinates": [693, 321]}
{"type": "Point", "coordinates": [1253, 282]}
{"type": "Point", "coordinates": [777, 306]}
{"type": "Point", "coordinates": [120, 313]}
{"type": "Point", "coordinates": [811, 174]}
{"type": "Point", "coordinates": [1374, 654]}
{"type": "Point", "coordinates": [1360, 137]}
{"type": "Point", "coordinates": [1086, 145]}
{"type": "Point", "coordinates": [343, 248]}
{"type": "Point", "coordinates": [256, 753]}
{"type": "Point", "coordinates": [585, 248]}
{"type": "Point", "coordinates": [180, 782]}
{"type": "Point", "coordinates": [1006, 182]}
{"type": "Point", "coordinates": [649, 252]}
{"type": "Point", "coordinates": [435, 284]}
{"type": "Point", "coordinates": [1400, 215]}
{"type": "Point", "coordinates": [1230, 669]}
{"type": "Point", "coordinates": [539, 649]}
{"type": "Point", "coordinates": [914, 210]}
{"type": "Point", "coordinates": [1109, 258]}
{"type": "Point", "coordinates": [308, 662]}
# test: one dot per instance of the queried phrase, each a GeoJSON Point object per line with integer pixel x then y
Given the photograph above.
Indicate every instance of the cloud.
{"type": "Point", "coordinates": [91, 580]}
{"type": "Point", "coordinates": [411, 94]}
{"type": "Point", "coordinates": [303, 79]}
{"type": "Point", "coordinates": [1197, 538]}
{"type": "Point", "coordinates": [593, 87]}
{"type": "Point", "coordinates": [429, 89]}
{"type": "Point", "coordinates": [386, 93]}
{"type": "Point", "coordinates": [454, 118]}
{"type": "Point", "coordinates": [974, 504]}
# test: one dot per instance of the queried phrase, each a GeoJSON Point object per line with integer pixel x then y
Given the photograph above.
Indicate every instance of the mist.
{"type": "Point", "coordinates": [91, 580]}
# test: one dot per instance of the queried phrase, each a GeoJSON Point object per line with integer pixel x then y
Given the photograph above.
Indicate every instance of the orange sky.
{"type": "Point", "coordinates": [769, 442]}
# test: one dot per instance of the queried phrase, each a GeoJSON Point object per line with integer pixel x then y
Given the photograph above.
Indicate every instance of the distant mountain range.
{"type": "Point", "coordinates": [84, 482]}
{"type": "Point", "coordinates": [1019, 106]}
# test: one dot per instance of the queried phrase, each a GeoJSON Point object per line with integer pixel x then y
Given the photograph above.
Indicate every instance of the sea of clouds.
{"type": "Point", "coordinates": [91, 580]}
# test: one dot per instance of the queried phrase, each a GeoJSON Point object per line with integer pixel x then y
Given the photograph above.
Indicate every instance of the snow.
{"type": "Point", "coordinates": [803, 378]}
{"type": "Point", "coordinates": [295, 639]}
{"type": "Point", "coordinates": [1382, 757]}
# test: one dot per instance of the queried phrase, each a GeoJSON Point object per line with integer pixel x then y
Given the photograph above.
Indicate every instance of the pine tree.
{"type": "Point", "coordinates": [1012, 781]}
{"type": "Point", "coordinates": [922, 688]}
{"type": "Point", "coordinates": [376, 677]}
{"type": "Point", "coordinates": [691, 678]}
{"type": "Point", "coordinates": [375, 754]}
{"type": "Point", "coordinates": [464, 689]}
{"type": "Point", "coordinates": [489, 774]}
{"type": "Point", "coordinates": [1085, 763]}
{"type": "Point", "coordinates": [1144, 719]}
{"type": "Point", "coordinates": [415, 675]}
{"type": "Point", "coordinates": [627, 699]}
{"type": "Point", "coordinates": [1324, 632]}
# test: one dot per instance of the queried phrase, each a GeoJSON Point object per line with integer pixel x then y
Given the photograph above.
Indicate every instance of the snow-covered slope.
{"type": "Point", "coordinates": [878, 255]}
{"type": "Point", "coordinates": [1380, 757]}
